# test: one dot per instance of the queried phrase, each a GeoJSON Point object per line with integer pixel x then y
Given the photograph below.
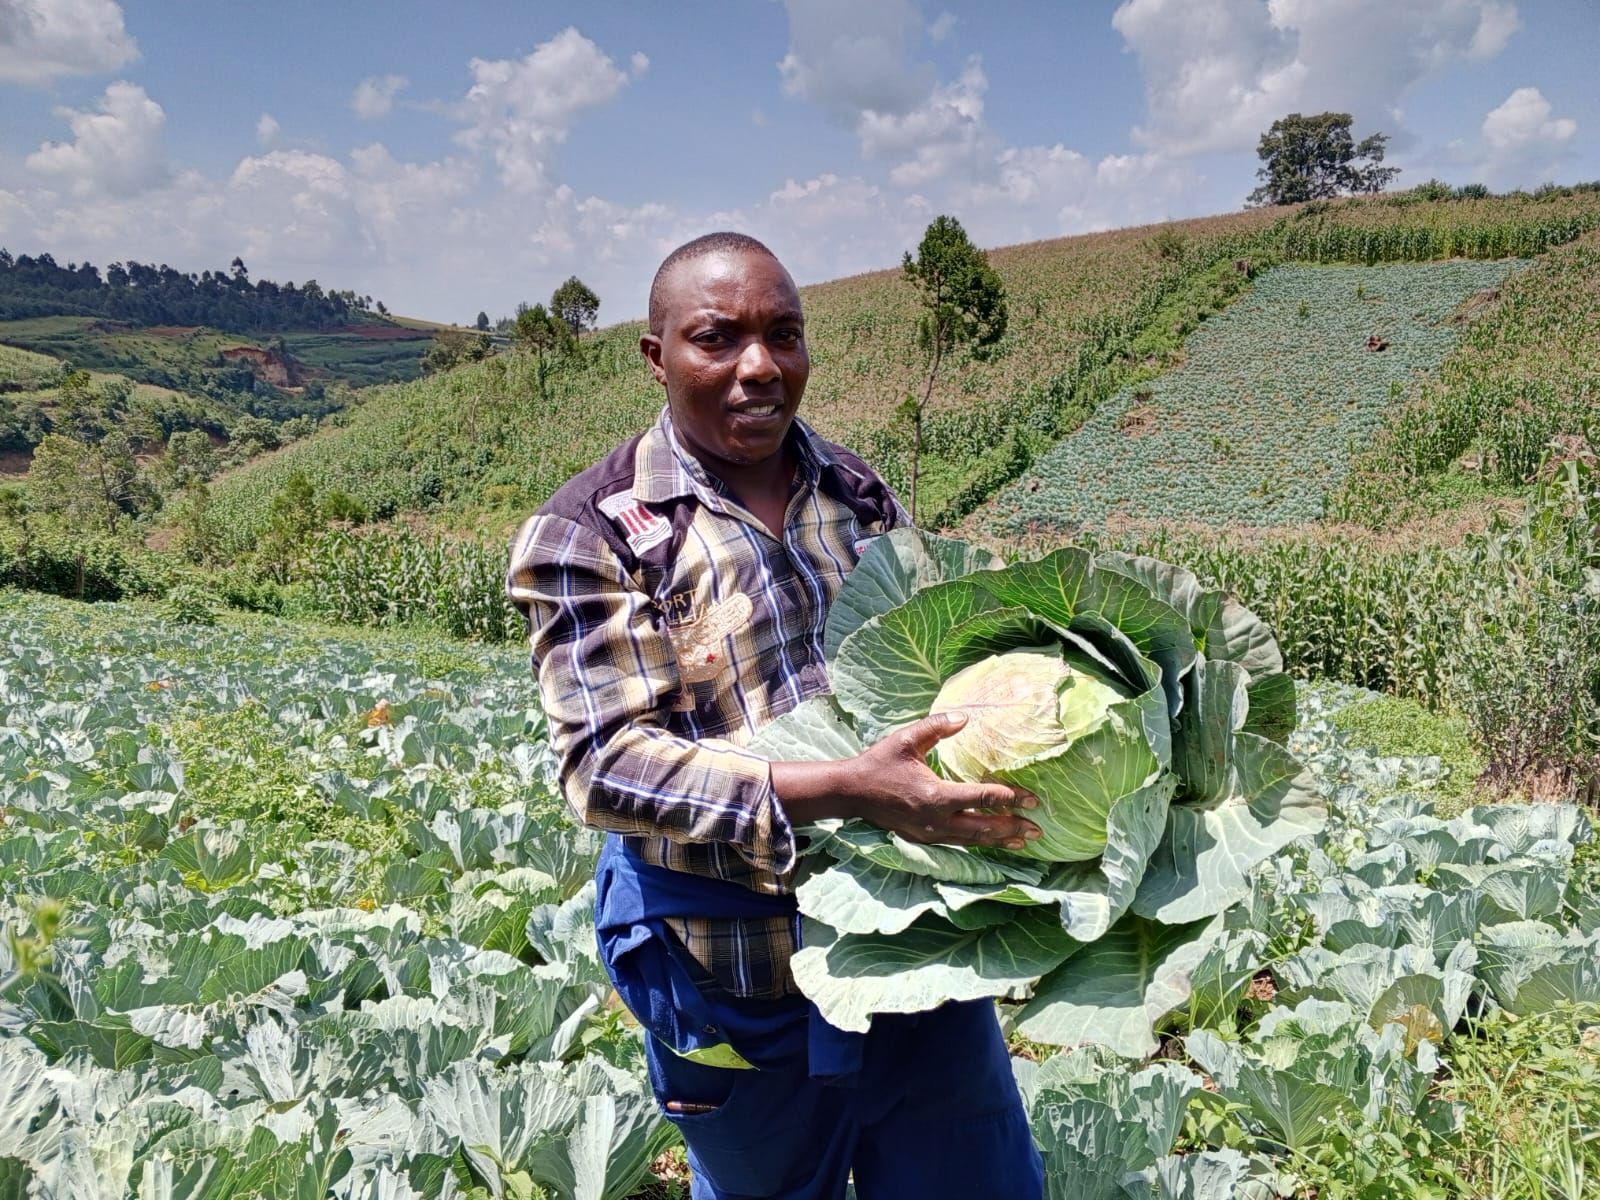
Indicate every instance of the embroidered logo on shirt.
{"type": "Point", "coordinates": [698, 643]}
{"type": "Point", "coordinates": [640, 526]}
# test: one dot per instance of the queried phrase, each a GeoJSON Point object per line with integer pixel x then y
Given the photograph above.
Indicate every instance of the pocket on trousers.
{"type": "Point", "coordinates": [757, 1139]}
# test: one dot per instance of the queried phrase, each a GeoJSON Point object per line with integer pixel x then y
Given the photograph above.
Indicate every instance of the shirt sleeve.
{"type": "Point", "coordinates": [607, 678]}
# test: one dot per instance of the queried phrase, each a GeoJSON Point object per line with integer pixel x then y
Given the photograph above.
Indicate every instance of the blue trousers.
{"type": "Point", "coordinates": [934, 1114]}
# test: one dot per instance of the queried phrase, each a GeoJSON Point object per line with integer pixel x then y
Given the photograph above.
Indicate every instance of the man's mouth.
{"type": "Point", "coordinates": [758, 410]}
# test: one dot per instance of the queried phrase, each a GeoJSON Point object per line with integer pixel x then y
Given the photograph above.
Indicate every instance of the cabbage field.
{"type": "Point", "coordinates": [295, 914]}
{"type": "Point", "coordinates": [1259, 424]}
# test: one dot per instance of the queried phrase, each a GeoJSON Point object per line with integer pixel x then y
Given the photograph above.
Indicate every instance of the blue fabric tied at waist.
{"type": "Point", "coordinates": [632, 901]}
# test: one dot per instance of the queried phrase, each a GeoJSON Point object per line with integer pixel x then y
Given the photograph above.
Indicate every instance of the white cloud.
{"type": "Point", "coordinates": [1522, 141]}
{"type": "Point", "coordinates": [1523, 121]}
{"type": "Point", "coordinates": [849, 57]}
{"type": "Point", "coordinates": [932, 140]}
{"type": "Point", "coordinates": [42, 40]}
{"type": "Point", "coordinates": [1217, 73]}
{"type": "Point", "coordinates": [942, 27]}
{"type": "Point", "coordinates": [518, 108]}
{"type": "Point", "coordinates": [942, 137]}
{"type": "Point", "coordinates": [268, 131]}
{"type": "Point", "coordinates": [116, 148]}
{"type": "Point", "coordinates": [374, 96]}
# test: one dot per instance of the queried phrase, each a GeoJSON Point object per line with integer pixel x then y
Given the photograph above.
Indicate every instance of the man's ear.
{"type": "Point", "coordinates": [650, 347]}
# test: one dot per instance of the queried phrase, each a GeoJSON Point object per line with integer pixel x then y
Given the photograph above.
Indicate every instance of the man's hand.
{"type": "Point", "coordinates": [891, 785]}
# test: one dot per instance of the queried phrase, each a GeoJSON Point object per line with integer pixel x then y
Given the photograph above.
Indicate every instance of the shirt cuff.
{"type": "Point", "coordinates": [767, 842]}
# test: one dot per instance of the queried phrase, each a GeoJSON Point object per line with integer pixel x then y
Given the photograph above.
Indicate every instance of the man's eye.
{"type": "Point", "coordinates": [787, 335]}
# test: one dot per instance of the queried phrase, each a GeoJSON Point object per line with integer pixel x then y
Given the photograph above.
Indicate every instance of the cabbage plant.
{"type": "Point", "coordinates": [1149, 716]}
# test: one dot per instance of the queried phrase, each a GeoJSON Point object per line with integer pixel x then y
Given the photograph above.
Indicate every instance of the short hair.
{"type": "Point", "coordinates": [723, 242]}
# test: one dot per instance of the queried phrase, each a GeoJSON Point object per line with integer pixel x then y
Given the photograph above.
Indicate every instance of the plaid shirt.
{"type": "Point", "coordinates": [667, 625]}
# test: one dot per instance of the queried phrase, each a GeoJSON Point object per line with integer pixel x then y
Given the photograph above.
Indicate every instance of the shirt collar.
{"type": "Point", "coordinates": [663, 470]}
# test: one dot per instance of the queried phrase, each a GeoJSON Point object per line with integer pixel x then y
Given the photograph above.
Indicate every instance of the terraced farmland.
{"type": "Point", "coordinates": [1258, 425]}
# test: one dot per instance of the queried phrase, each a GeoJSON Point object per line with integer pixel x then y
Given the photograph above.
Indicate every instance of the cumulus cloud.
{"type": "Point", "coordinates": [116, 148]}
{"type": "Point", "coordinates": [932, 139]}
{"type": "Point", "coordinates": [849, 58]}
{"type": "Point", "coordinates": [42, 40]}
{"type": "Point", "coordinates": [1217, 73]}
{"type": "Point", "coordinates": [374, 96]}
{"type": "Point", "coordinates": [942, 137]}
{"type": "Point", "coordinates": [268, 131]}
{"type": "Point", "coordinates": [1523, 121]}
{"type": "Point", "coordinates": [1523, 141]}
{"type": "Point", "coordinates": [518, 108]}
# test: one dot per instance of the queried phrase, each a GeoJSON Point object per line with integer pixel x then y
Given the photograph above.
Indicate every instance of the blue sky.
{"type": "Point", "coordinates": [455, 158]}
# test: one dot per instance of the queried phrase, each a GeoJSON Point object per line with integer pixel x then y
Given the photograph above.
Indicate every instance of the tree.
{"type": "Point", "coordinates": [88, 485]}
{"type": "Point", "coordinates": [292, 518]}
{"type": "Point", "coordinates": [190, 459]}
{"type": "Point", "coordinates": [81, 408]}
{"type": "Point", "coordinates": [575, 304]}
{"type": "Point", "coordinates": [483, 321]}
{"type": "Point", "coordinates": [963, 308]}
{"type": "Point", "coordinates": [200, 533]}
{"type": "Point", "coordinates": [540, 331]}
{"type": "Point", "coordinates": [1316, 158]}
{"type": "Point", "coordinates": [452, 347]}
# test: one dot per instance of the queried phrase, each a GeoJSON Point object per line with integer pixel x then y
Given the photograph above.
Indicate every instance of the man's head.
{"type": "Point", "coordinates": [727, 341]}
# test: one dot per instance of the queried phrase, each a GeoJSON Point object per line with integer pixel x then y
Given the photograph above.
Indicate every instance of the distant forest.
{"type": "Point", "coordinates": [147, 295]}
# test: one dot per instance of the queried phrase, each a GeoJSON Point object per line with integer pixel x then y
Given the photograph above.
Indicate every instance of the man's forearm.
{"type": "Point", "coordinates": [813, 791]}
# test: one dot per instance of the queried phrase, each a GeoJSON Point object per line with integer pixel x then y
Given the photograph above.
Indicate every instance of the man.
{"type": "Point", "coordinates": [676, 594]}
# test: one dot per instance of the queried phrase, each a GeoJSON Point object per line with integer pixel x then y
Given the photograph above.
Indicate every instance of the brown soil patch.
{"type": "Point", "coordinates": [1475, 306]}
{"type": "Point", "coordinates": [1262, 987]}
{"type": "Point", "coordinates": [1140, 420]}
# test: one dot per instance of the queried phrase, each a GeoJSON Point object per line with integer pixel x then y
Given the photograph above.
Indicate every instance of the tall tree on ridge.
{"type": "Point", "coordinates": [576, 304]}
{"type": "Point", "coordinates": [1317, 158]}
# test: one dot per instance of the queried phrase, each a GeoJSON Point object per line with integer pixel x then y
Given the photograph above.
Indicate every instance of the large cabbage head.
{"type": "Point", "coordinates": [1027, 712]}
{"type": "Point", "coordinates": [1148, 714]}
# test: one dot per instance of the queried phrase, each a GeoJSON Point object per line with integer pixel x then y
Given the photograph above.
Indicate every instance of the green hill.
{"type": "Point", "coordinates": [483, 444]}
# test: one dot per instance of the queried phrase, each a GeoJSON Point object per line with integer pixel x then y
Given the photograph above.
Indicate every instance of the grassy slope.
{"type": "Point", "coordinates": [484, 443]}
{"type": "Point", "coordinates": [27, 383]}
{"type": "Point", "coordinates": [480, 446]}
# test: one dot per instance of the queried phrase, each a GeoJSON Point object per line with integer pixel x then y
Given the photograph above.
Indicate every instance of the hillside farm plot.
{"type": "Point", "coordinates": [362, 355]}
{"type": "Point", "coordinates": [23, 370]}
{"type": "Point", "coordinates": [1259, 424]}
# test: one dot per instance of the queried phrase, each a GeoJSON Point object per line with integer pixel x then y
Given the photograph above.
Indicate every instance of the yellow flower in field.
{"type": "Point", "coordinates": [379, 715]}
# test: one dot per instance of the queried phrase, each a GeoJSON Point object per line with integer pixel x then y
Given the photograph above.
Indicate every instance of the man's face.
{"type": "Point", "coordinates": [732, 356]}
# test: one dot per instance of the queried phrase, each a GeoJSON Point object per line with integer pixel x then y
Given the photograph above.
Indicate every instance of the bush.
{"type": "Point", "coordinates": [45, 556]}
{"type": "Point", "coordinates": [189, 604]}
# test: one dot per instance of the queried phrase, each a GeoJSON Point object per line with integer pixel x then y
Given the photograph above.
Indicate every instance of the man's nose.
{"type": "Point", "coordinates": [756, 364]}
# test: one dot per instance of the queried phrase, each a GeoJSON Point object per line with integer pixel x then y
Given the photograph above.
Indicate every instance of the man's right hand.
{"type": "Point", "coordinates": [891, 785]}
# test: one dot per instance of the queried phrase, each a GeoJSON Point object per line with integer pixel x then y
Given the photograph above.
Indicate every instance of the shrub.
{"type": "Point", "coordinates": [188, 604]}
